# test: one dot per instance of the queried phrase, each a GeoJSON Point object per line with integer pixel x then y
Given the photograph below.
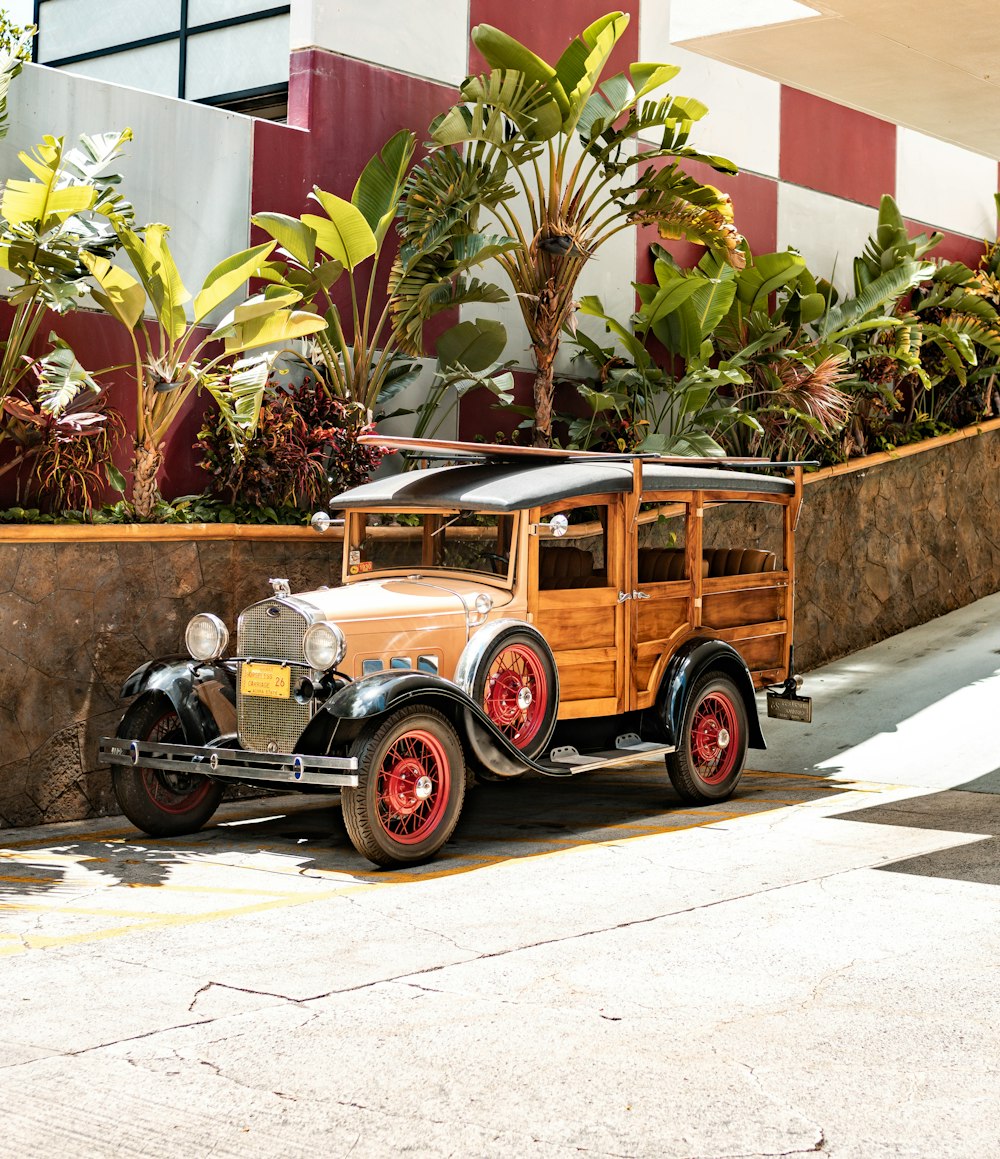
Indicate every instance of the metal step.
{"type": "Point", "coordinates": [628, 749]}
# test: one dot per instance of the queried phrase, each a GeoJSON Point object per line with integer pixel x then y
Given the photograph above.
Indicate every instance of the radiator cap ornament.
{"type": "Point", "coordinates": [280, 587]}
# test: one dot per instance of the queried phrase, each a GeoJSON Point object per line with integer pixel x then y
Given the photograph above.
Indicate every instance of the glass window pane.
{"type": "Point", "coordinates": [69, 27]}
{"type": "Point", "coordinates": [154, 69]}
{"type": "Point", "coordinates": [232, 60]}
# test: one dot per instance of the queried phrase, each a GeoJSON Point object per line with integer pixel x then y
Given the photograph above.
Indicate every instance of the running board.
{"type": "Point", "coordinates": [628, 749]}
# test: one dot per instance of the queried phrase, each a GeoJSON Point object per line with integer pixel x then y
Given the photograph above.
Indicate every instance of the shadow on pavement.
{"type": "Point", "coordinates": [951, 812]}
{"type": "Point", "coordinates": [306, 837]}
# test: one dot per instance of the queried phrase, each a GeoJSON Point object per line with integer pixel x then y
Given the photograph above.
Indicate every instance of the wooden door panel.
{"type": "Point", "coordinates": [745, 605]}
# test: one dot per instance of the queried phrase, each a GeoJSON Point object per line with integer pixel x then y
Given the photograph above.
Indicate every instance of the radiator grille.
{"type": "Point", "coordinates": [271, 630]}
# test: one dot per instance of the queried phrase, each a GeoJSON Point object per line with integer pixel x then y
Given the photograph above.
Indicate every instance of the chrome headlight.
{"type": "Point", "coordinates": [206, 636]}
{"type": "Point", "coordinates": [323, 646]}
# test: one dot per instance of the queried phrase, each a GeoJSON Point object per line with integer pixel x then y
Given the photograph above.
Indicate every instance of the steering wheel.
{"type": "Point", "coordinates": [501, 563]}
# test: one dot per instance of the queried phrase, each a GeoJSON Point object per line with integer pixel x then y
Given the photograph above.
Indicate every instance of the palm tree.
{"type": "Point", "coordinates": [552, 154]}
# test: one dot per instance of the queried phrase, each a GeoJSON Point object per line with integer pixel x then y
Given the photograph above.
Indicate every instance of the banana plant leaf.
{"type": "Point", "coordinates": [343, 234]}
{"type": "Point", "coordinates": [297, 239]}
{"type": "Point", "coordinates": [504, 52]}
{"type": "Point", "coordinates": [160, 278]}
{"type": "Point", "coordinates": [120, 294]}
{"type": "Point", "coordinates": [473, 345]}
{"type": "Point", "coordinates": [228, 276]}
{"type": "Point", "coordinates": [381, 183]}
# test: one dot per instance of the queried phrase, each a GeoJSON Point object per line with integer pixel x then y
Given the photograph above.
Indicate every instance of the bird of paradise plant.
{"type": "Point", "coordinates": [553, 156]}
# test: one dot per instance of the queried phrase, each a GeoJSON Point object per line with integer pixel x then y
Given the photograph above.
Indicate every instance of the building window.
{"type": "Point", "coordinates": [229, 53]}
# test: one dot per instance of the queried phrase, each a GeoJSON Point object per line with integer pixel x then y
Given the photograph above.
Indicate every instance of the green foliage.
{"type": "Point", "coordinates": [304, 449]}
{"type": "Point", "coordinates": [364, 350]}
{"type": "Point", "coordinates": [51, 224]}
{"type": "Point", "coordinates": [170, 359]}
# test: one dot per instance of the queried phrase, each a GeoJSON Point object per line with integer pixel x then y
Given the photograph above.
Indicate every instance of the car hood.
{"type": "Point", "coordinates": [398, 597]}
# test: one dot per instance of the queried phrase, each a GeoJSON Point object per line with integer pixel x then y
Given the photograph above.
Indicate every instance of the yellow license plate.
{"type": "Point", "coordinates": [274, 680]}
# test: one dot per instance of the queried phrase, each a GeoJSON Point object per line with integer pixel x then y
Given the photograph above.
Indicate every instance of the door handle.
{"type": "Point", "coordinates": [623, 596]}
{"type": "Point", "coordinates": [640, 595]}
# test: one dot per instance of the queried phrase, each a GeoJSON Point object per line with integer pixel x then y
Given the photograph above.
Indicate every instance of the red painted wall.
{"type": "Point", "coordinates": [548, 28]}
{"type": "Point", "coordinates": [836, 150]}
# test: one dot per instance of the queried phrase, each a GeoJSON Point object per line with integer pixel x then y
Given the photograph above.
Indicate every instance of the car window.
{"type": "Point", "coordinates": [577, 559]}
{"type": "Point", "coordinates": [478, 542]}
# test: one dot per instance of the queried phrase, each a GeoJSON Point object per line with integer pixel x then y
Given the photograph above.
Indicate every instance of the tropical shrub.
{"type": "Point", "coordinates": [174, 356]}
{"type": "Point", "coordinates": [303, 450]}
{"type": "Point", "coordinates": [65, 434]}
{"type": "Point", "coordinates": [364, 353]}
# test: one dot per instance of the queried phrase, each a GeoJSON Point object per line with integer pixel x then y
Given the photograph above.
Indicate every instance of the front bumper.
{"type": "Point", "coordinates": [231, 764]}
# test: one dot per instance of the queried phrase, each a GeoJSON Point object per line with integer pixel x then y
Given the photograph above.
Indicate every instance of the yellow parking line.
{"type": "Point", "coordinates": [89, 911]}
{"type": "Point", "coordinates": [41, 942]}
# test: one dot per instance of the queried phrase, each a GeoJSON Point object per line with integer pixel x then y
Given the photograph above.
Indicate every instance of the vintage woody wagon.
{"type": "Point", "coordinates": [518, 610]}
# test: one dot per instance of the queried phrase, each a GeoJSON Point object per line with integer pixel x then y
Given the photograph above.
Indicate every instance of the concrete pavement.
{"type": "Point", "coordinates": [592, 969]}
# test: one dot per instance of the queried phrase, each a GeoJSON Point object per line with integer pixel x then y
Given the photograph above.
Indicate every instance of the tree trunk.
{"type": "Point", "coordinates": [543, 390]}
{"type": "Point", "coordinates": [145, 465]}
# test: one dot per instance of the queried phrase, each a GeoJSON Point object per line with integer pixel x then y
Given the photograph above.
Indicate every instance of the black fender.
{"type": "Point", "coordinates": [202, 693]}
{"type": "Point", "coordinates": [382, 692]}
{"type": "Point", "coordinates": [691, 660]}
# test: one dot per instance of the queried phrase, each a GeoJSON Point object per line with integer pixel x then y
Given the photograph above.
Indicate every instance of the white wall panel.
{"type": "Point", "coordinates": [827, 231]}
{"type": "Point", "coordinates": [230, 60]}
{"type": "Point", "coordinates": [207, 11]}
{"type": "Point", "coordinates": [67, 27]}
{"type": "Point", "coordinates": [743, 121]}
{"type": "Point", "coordinates": [945, 185]}
{"type": "Point", "coordinates": [153, 68]}
{"type": "Point", "coordinates": [428, 38]}
{"type": "Point", "coordinates": [189, 165]}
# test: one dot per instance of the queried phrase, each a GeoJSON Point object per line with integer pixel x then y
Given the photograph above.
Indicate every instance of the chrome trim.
{"type": "Point", "coordinates": [477, 647]}
{"type": "Point", "coordinates": [222, 633]}
{"type": "Point", "coordinates": [239, 764]}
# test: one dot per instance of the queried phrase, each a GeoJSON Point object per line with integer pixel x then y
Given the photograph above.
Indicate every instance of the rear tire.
{"type": "Point", "coordinates": [411, 786]}
{"type": "Point", "coordinates": [712, 744]}
{"type": "Point", "coordinates": [160, 803]}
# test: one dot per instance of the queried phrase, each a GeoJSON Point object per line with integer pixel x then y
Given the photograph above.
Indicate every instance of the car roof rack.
{"type": "Point", "coordinates": [455, 450]}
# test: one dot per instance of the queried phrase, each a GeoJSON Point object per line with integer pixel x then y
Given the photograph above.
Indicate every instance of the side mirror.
{"type": "Point", "coordinates": [557, 526]}
{"type": "Point", "coordinates": [320, 522]}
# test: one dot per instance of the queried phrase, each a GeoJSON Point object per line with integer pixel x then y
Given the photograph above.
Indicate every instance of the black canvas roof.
{"type": "Point", "coordinates": [505, 487]}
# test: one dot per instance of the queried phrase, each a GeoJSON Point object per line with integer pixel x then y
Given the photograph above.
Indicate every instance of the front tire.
{"type": "Point", "coordinates": [712, 745]}
{"type": "Point", "coordinates": [411, 786]}
{"type": "Point", "coordinates": [161, 803]}
{"type": "Point", "coordinates": [517, 686]}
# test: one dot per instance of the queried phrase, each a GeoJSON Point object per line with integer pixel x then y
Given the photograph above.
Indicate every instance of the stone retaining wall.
{"type": "Point", "coordinates": [889, 544]}
{"type": "Point", "coordinates": [76, 618]}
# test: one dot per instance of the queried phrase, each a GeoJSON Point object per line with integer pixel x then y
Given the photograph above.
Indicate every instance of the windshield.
{"type": "Point", "coordinates": [471, 541]}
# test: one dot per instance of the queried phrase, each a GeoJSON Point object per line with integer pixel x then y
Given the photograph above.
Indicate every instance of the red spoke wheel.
{"type": "Point", "coordinates": [712, 744]}
{"type": "Point", "coordinates": [411, 785]}
{"type": "Point", "coordinates": [517, 687]}
{"type": "Point", "coordinates": [159, 802]}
